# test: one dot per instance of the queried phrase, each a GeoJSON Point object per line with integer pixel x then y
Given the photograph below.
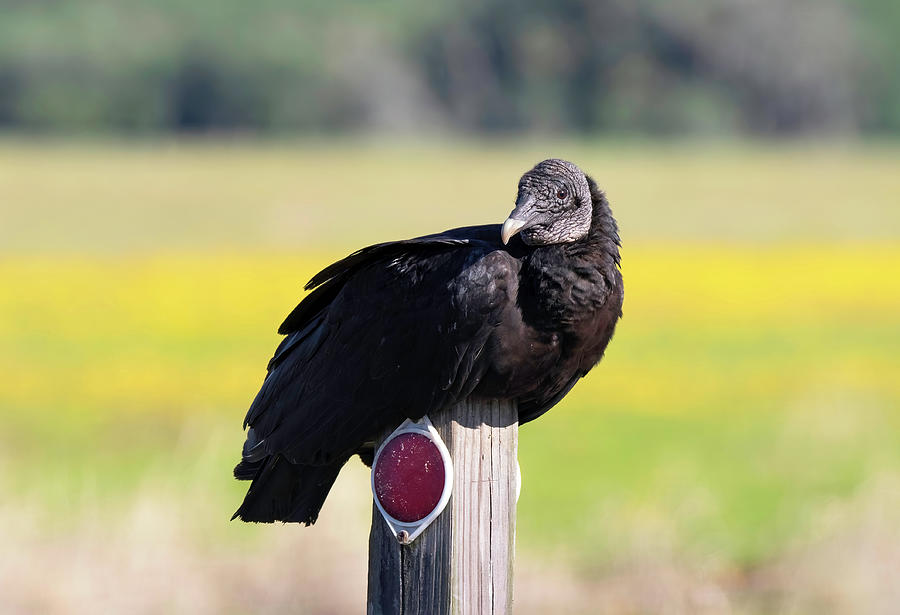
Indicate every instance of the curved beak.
{"type": "Point", "coordinates": [520, 218]}
{"type": "Point", "coordinates": [510, 228]}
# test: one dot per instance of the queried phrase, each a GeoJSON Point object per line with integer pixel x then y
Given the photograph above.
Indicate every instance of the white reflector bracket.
{"type": "Point", "coordinates": [412, 477]}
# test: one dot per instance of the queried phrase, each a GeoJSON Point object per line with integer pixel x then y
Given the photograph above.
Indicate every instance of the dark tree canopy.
{"type": "Point", "coordinates": [573, 66]}
{"type": "Point", "coordinates": [407, 328]}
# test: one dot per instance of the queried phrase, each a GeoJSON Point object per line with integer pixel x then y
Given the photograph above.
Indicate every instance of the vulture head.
{"type": "Point", "coordinates": [553, 205]}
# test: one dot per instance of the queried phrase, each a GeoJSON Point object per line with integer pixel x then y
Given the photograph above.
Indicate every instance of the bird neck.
{"type": "Point", "coordinates": [571, 281]}
{"type": "Point", "coordinates": [603, 238]}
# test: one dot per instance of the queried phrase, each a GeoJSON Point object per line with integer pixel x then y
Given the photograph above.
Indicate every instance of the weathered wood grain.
{"type": "Point", "coordinates": [462, 564]}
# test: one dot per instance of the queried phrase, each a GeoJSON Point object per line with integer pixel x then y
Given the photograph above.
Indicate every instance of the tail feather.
{"type": "Point", "coordinates": [283, 491]}
{"type": "Point", "coordinates": [247, 470]}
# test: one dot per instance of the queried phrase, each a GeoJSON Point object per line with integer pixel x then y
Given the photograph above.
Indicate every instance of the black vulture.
{"type": "Point", "coordinates": [401, 329]}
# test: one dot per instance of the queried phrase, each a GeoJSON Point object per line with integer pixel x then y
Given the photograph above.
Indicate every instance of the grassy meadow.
{"type": "Point", "coordinates": [738, 450]}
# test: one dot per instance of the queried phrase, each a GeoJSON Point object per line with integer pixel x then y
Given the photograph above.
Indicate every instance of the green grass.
{"type": "Point", "coordinates": [213, 195]}
{"type": "Point", "coordinates": [750, 390]}
{"type": "Point", "coordinates": [756, 412]}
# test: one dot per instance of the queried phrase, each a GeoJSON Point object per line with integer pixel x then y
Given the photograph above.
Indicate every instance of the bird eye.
{"type": "Point", "coordinates": [562, 194]}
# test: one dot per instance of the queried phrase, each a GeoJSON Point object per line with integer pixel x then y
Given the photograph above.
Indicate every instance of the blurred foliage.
{"type": "Point", "coordinates": [576, 66]}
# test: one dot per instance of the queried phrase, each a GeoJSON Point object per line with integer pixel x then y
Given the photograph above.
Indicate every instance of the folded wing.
{"type": "Point", "coordinates": [392, 331]}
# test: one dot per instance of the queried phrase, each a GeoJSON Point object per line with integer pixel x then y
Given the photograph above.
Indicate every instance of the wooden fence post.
{"type": "Point", "coordinates": [462, 564]}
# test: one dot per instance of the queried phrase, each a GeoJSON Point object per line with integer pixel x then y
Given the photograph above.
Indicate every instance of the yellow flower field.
{"type": "Point", "coordinates": [178, 333]}
{"type": "Point", "coordinates": [743, 427]}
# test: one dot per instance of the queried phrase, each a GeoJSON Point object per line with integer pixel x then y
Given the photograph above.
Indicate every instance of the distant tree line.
{"type": "Point", "coordinates": [494, 66]}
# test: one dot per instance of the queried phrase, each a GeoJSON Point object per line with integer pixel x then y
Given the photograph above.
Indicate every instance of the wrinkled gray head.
{"type": "Point", "coordinates": [553, 205]}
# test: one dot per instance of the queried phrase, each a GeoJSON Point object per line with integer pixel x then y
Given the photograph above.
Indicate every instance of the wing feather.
{"type": "Point", "coordinates": [399, 336]}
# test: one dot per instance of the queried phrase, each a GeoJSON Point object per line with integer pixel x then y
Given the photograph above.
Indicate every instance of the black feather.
{"type": "Point", "coordinates": [283, 491]}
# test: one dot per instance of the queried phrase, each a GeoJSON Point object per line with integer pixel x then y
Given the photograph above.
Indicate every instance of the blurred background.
{"type": "Point", "coordinates": [171, 173]}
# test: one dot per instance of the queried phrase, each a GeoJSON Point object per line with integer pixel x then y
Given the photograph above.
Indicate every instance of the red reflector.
{"type": "Point", "coordinates": [408, 477]}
